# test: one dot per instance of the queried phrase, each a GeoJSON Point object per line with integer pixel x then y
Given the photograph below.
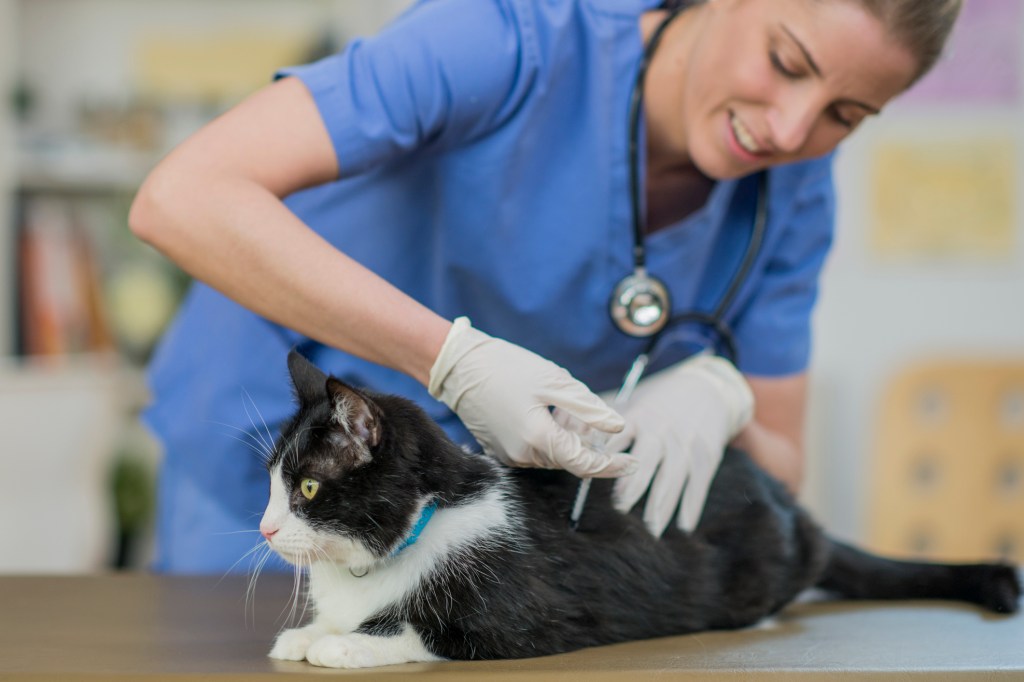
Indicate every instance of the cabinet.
{"type": "Point", "coordinates": [94, 92]}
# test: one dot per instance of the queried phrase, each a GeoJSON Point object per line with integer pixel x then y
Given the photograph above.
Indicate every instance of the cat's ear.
{"type": "Point", "coordinates": [354, 412]}
{"type": "Point", "coordinates": [307, 378]}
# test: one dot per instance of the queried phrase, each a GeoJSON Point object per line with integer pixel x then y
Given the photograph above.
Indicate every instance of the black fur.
{"type": "Point", "coordinates": [547, 589]}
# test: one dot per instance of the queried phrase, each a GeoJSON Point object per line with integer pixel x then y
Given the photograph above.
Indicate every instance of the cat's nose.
{"type": "Point", "coordinates": [267, 530]}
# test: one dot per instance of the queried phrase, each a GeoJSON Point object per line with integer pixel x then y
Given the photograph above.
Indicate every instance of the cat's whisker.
{"type": "Point", "coordinates": [336, 566]}
{"type": "Point", "coordinates": [255, 564]}
{"type": "Point", "coordinates": [250, 591]}
{"type": "Point", "coordinates": [251, 550]}
{"type": "Point", "coordinates": [251, 594]}
{"type": "Point", "coordinates": [236, 532]}
{"type": "Point", "coordinates": [288, 611]}
{"type": "Point", "coordinates": [269, 443]}
{"type": "Point", "coordinates": [308, 585]}
{"type": "Point", "coordinates": [293, 597]}
{"type": "Point", "coordinates": [259, 453]}
{"type": "Point", "coordinates": [318, 551]}
{"type": "Point", "coordinates": [298, 583]}
{"type": "Point", "coordinates": [295, 441]}
{"type": "Point", "coordinates": [256, 442]}
{"type": "Point", "coordinates": [253, 444]}
{"type": "Point", "coordinates": [250, 606]}
{"type": "Point", "coordinates": [294, 451]}
{"type": "Point", "coordinates": [305, 604]}
{"type": "Point", "coordinates": [299, 586]}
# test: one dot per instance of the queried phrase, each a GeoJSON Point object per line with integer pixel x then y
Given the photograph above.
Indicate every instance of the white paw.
{"type": "Point", "coordinates": [291, 645]}
{"type": "Point", "coordinates": [767, 624]}
{"type": "Point", "coordinates": [344, 651]}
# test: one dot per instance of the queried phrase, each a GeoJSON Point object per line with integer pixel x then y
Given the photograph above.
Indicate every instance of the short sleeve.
{"type": "Point", "coordinates": [444, 72]}
{"type": "Point", "coordinates": [773, 332]}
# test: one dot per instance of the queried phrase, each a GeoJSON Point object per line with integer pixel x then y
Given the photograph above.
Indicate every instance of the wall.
{"type": "Point", "coordinates": [880, 312]}
{"type": "Point", "coordinates": [80, 50]}
{"type": "Point", "coordinates": [8, 43]}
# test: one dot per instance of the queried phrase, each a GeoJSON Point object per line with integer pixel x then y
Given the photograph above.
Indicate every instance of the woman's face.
{"type": "Point", "coordinates": [745, 84]}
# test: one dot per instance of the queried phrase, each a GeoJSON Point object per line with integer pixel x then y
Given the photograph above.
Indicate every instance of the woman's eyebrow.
{"type": "Point", "coordinates": [807, 55]}
{"type": "Point", "coordinates": [817, 71]}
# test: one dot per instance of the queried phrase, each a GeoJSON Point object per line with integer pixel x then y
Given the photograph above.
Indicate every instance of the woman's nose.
{"type": "Point", "coordinates": [790, 124]}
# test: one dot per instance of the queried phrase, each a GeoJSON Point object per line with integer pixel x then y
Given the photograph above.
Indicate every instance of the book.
{"type": "Point", "coordinates": [61, 306]}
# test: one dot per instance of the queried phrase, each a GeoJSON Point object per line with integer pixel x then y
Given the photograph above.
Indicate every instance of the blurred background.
{"type": "Point", "coordinates": [916, 426]}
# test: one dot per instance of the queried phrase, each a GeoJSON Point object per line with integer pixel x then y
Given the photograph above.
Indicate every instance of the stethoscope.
{"type": "Point", "coordinates": [640, 304]}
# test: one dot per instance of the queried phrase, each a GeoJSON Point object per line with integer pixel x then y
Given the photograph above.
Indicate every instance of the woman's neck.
{"type": "Point", "coordinates": [673, 194]}
{"type": "Point", "coordinates": [663, 88]}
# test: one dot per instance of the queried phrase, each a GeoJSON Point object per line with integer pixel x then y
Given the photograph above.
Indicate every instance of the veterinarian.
{"type": "Point", "coordinates": [443, 211]}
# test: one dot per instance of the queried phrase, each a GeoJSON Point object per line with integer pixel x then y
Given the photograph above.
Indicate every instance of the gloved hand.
{"type": "Point", "coordinates": [502, 393]}
{"type": "Point", "coordinates": [681, 418]}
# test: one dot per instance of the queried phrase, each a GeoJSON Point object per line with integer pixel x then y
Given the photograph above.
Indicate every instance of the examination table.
{"type": "Point", "coordinates": [147, 627]}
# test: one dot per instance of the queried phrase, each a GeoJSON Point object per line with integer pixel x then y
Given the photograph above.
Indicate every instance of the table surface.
{"type": "Point", "coordinates": [147, 627]}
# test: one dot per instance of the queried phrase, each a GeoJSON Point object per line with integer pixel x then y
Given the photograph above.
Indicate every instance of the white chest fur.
{"type": "Point", "coordinates": [344, 601]}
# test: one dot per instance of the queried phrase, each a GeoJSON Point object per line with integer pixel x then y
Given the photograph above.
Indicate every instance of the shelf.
{"type": "Point", "coordinates": [80, 370]}
{"type": "Point", "coordinates": [81, 170]}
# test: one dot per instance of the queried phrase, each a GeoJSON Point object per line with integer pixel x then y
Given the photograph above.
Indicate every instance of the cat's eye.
{"type": "Point", "coordinates": [309, 488]}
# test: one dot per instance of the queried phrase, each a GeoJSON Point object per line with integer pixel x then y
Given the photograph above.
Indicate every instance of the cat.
{"type": "Point", "coordinates": [417, 550]}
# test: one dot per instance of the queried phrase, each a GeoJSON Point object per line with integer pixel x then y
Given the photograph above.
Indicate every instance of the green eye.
{"type": "Point", "coordinates": [309, 487]}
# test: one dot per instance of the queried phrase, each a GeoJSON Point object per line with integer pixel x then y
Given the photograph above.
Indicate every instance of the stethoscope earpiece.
{"type": "Point", "coordinates": [640, 304]}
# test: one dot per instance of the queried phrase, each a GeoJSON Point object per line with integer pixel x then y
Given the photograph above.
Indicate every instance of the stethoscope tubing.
{"type": "Point", "coordinates": [715, 320]}
{"type": "Point", "coordinates": [635, 101]}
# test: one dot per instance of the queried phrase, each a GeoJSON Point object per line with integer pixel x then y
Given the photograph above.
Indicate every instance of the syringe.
{"type": "Point", "coordinates": [597, 440]}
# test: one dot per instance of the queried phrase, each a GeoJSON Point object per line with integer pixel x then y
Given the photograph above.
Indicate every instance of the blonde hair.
{"type": "Point", "coordinates": [921, 26]}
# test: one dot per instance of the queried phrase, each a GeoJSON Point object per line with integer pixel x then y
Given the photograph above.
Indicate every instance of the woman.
{"type": "Point", "coordinates": [471, 161]}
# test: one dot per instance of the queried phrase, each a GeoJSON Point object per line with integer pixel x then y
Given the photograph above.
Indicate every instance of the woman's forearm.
{"type": "Point", "coordinates": [775, 437]}
{"type": "Point", "coordinates": [214, 206]}
{"type": "Point", "coordinates": [773, 452]}
{"type": "Point", "coordinates": [238, 237]}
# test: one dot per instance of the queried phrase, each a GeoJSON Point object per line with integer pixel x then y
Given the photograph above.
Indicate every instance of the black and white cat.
{"type": "Point", "coordinates": [418, 551]}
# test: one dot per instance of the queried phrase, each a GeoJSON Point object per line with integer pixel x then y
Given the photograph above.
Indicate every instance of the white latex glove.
{"type": "Point", "coordinates": [503, 394]}
{"type": "Point", "coordinates": [682, 418]}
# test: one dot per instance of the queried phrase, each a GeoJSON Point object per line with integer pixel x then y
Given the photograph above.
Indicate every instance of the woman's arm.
{"type": "Point", "coordinates": [775, 436]}
{"type": "Point", "coordinates": [213, 206]}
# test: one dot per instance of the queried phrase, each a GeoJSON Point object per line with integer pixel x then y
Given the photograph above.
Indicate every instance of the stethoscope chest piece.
{"type": "Point", "coordinates": [640, 304]}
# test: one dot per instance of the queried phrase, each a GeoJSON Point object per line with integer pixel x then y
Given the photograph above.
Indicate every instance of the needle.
{"type": "Point", "coordinates": [636, 370]}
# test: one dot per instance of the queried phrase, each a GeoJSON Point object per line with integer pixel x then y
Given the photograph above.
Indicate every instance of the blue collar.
{"type": "Point", "coordinates": [414, 535]}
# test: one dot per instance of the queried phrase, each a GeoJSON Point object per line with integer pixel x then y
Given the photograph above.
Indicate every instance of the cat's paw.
{"type": "Point", "coordinates": [347, 651]}
{"type": "Point", "coordinates": [1000, 588]}
{"type": "Point", "coordinates": [292, 645]}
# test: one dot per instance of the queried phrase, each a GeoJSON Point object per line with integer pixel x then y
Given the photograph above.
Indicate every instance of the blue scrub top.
{"type": "Point", "coordinates": [482, 146]}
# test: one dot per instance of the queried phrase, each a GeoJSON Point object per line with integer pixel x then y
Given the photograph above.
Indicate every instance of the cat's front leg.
{"type": "Point", "coordinates": [292, 644]}
{"type": "Point", "coordinates": [359, 650]}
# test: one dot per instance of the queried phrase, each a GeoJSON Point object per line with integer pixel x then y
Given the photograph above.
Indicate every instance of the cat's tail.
{"type": "Point", "coordinates": [856, 574]}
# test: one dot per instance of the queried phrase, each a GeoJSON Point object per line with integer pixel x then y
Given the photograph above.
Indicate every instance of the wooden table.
{"type": "Point", "coordinates": [146, 627]}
